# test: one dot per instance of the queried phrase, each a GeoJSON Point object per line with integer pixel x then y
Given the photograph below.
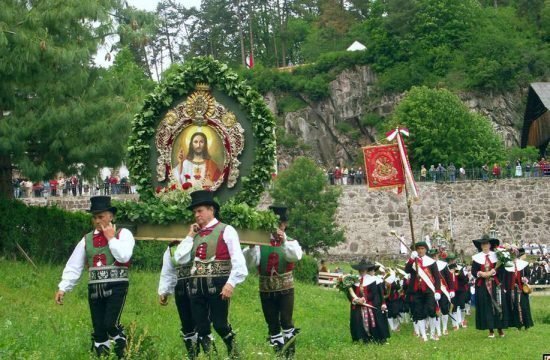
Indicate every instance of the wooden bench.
{"type": "Point", "coordinates": [328, 279]}
{"type": "Point", "coordinates": [539, 287]}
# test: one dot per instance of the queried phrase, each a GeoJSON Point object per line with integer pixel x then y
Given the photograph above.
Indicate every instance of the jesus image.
{"type": "Point", "coordinates": [197, 167]}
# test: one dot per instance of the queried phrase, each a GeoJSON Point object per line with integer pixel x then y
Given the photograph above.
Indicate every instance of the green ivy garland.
{"type": "Point", "coordinates": [182, 82]}
{"type": "Point", "coordinates": [178, 84]}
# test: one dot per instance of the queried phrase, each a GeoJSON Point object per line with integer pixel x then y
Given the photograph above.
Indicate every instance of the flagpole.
{"type": "Point", "coordinates": [405, 171]}
{"type": "Point", "coordinates": [409, 209]}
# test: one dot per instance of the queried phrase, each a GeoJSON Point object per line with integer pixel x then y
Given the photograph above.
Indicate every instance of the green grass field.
{"type": "Point", "coordinates": [32, 326]}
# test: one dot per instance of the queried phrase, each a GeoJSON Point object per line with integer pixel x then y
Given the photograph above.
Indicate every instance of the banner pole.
{"type": "Point", "coordinates": [407, 196]}
{"type": "Point", "coordinates": [409, 209]}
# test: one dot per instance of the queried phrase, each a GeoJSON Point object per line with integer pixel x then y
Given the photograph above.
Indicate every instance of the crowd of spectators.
{"type": "Point", "coordinates": [70, 186]}
{"type": "Point", "coordinates": [345, 176]}
{"type": "Point", "coordinates": [539, 271]}
{"type": "Point", "coordinates": [451, 173]}
{"type": "Point", "coordinates": [486, 172]}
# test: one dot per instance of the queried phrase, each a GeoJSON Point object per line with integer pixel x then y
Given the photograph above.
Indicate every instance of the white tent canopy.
{"type": "Point", "coordinates": [356, 46]}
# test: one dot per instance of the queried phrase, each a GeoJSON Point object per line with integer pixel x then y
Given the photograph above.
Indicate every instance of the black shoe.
{"type": "Point", "coordinates": [120, 347]}
{"type": "Point", "coordinates": [193, 349]}
{"type": "Point", "coordinates": [229, 341]}
{"type": "Point", "coordinates": [101, 350]}
{"type": "Point", "coordinates": [208, 346]}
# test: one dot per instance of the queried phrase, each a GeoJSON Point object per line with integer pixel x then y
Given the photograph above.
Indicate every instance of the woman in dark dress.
{"type": "Point", "coordinates": [517, 299]}
{"type": "Point", "coordinates": [368, 321]}
{"type": "Point", "coordinates": [491, 306]}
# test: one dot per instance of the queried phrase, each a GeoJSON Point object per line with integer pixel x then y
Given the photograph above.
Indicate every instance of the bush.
{"type": "Point", "coordinates": [47, 234]}
{"type": "Point", "coordinates": [148, 254]}
{"type": "Point", "coordinates": [306, 270]}
{"type": "Point", "coordinates": [289, 103]}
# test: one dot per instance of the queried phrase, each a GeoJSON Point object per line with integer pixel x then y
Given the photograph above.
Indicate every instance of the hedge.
{"type": "Point", "coordinates": [46, 234]}
{"type": "Point", "coordinates": [49, 235]}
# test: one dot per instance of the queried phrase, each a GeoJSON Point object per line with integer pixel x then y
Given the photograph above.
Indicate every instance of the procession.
{"type": "Point", "coordinates": [202, 270]}
{"type": "Point", "coordinates": [274, 179]}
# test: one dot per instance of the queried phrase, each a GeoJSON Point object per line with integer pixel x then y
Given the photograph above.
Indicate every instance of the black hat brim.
{"type": "Point", "coordinates": [494, 242]}
{"type": "Point", "coordinates": [204, 203]}
{"type": "Point", "coordinates": [97, 211]}
{"type": "Point", "coordinates": [422, 243]}
{"type": "Point", "coordinates": [365, 266]}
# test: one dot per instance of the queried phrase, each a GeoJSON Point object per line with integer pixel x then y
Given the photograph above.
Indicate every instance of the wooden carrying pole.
{"type": "Point", "coordinates": [409, 209]}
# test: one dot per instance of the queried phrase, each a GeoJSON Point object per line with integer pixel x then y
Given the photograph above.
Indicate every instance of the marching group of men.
{"type": "Point", "coordinates": [433, 290]}
{"type": "Point", "coordinates": [201, 273]}
{"type": "Point", "coordinates": [202, 270]}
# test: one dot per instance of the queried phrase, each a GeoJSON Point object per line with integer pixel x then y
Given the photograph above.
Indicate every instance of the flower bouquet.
{"type": "Point", "coordinates": [345, 282]}
{"type": "Point", "coordinates": [506, 253]}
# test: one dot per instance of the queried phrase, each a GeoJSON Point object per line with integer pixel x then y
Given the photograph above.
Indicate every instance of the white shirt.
{"type": "Point", "coordinates": [238, 274]}
{"type": "Point", "coordinates": [168, 275]}
{"type": "Point", "coordinates": [121, 249]}
{"type": "Point", "coordinates": [291, 249]}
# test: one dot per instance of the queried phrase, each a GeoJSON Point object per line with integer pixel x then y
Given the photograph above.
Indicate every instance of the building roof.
{"type": "Point", "coordinates": [536, 121]}
{"type": "Point", "coordinates": [356, 46]}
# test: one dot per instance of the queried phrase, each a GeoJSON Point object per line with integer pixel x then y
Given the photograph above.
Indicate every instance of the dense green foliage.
{"type": "Point", "coordinates": [443, 130]}
{"type": "Point", "coordinates": [456, 44]}
{"type": "Point", "coordinates": [46, 234]}
{"type": "Point", "coordinates": [526, 155]}
{"type": "Point", "coordinates": [306, 270]}
{"type": "Point", "coordinates": [312, 205]}
{"type": "Point", "coordinates": [58, 111]}
{"type": "Point", "coordinates": [33, 327]}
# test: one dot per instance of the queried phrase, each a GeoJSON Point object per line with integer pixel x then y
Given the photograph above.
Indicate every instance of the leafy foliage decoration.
{"type": "Point", "coordinates": [179, 83]}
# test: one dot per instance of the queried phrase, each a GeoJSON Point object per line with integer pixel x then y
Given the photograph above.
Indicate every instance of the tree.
{"type": "Point", "coordinates": [58, 112]}
{"type": "Point", "coordinates": [443, 130]}
{"type": "Point", "coordinates": [312, 205]}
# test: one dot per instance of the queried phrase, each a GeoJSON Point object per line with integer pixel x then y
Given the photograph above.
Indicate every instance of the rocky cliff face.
{"type": "Point", "coordinates": [351, 98]}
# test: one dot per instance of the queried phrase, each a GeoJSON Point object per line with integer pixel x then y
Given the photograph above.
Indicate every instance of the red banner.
{"type": "Point", "coordinates": [383, 166]}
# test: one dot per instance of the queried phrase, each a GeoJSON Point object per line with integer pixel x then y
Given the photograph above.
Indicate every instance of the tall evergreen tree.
{"type": "Point", "coordinates": [58, 112]}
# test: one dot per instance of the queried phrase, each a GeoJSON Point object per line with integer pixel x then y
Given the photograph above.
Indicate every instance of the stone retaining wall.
{"type": "Point", "coordinates": [519, 207]}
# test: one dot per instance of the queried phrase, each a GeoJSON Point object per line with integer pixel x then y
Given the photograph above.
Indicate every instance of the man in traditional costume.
{"type": "Point", "coordinates": [368, 321]}
{"type": "Point", "coordinates": [174, 279]}
{"type": "Point", "coordinates": [275, 263]}
{"type": "Point", "coordinates": [517, 292]}
{"type": "Point", "coordinates": [217, 266]}
{"type": "Point", "coordinates": [447, 290]}
{"type": "Point", "coordinates": [459, 280]}
{"type": "Point", "coordinates": [106, 252]}
{"type": "Point", "coordinates": [491, 307]}
{"type": "Point", "coordinates": [393, 299]}
{"type": "Point", "coordinates": [404, 312]}
{"type": "Point", "coordinates": [425, 288]}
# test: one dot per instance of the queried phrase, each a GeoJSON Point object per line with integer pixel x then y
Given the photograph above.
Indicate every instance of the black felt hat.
{"type": "Point", "coordinates": [281, 211]}
{"type": "Point", "coordinates": [486, 239]}
{"type": "Point", "coordinates": [365, 264]}
{"type": "Point", "coordinates": [203, 197]}
{"type": "Point", "coordinates": [421, 243]}
{"type": "Point", "coordinates": [101, 204]}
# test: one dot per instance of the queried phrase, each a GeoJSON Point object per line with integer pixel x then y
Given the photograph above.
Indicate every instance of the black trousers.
{"type": "Point", "coordinates": [444, 304]}
{"type": "Point", "coordinates": [208, 307]}
{"type": "Point", "coordinates": [183, 304]}
{"type": "Point", "coordinates": [424, 305]}
{"type": "Point", "coordinates": [278, 308]}
{"type": "Point", "coordinates": [106, 302]}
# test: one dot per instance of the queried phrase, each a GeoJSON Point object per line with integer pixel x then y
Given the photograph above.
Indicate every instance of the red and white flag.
{"type": "Point", "coordinates": [409, 178]}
